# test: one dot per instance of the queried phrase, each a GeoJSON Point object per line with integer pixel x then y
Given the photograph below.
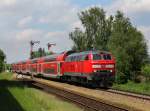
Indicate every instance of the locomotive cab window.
{"type": "Point", "coordinates": [97, 57]}
{"type": "Point", "coordinates": [107, 57]}
{"type": "Point", "coordinates": [101, 57]}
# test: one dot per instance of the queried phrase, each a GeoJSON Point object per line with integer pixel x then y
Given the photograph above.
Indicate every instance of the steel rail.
{"type": "Point", "coordinates": [129, 94]}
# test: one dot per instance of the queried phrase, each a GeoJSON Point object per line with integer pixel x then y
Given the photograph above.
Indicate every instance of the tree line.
{"type": "Point", "coordinates": [2, 58]}
{"type": "Point", "coordinates": [114, 33]}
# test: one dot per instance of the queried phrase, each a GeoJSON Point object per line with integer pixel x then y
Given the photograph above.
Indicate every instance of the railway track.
{"type": "Point", "coordinates": [130, 94]}
{"type": "Point", "coordinates": [87, 103]}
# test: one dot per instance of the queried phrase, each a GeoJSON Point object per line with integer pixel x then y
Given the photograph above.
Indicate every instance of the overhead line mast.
{"type": "Point", "coordinates": [49, 45]}
{"type": "Point", "coordinates": [32, 43]}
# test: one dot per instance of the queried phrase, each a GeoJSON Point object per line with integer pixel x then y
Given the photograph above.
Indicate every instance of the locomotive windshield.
{"type": "Point", "coordinates": [107, 57]}
{"type": "Point", "coordinates": [97, 57]}
{"type": "Point", "coordinates": [101, 56]}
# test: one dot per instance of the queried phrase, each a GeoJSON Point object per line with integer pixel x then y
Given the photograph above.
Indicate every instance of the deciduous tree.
{"type": "Point", "coordinates": [128, 46]}
{"type": "Point", "coordinates": [2, 58]}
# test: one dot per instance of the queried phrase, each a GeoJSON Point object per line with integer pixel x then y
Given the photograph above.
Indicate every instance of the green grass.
{"type": "Point", "coordinates": [143, 88]}
{"type": "Point", "coordinates": [6, 76]}
{"type": "Point", "coordinates": [14, 96]}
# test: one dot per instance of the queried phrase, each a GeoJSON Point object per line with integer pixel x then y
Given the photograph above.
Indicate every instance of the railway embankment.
{"type": "Point", "coordinates": [124, 101]}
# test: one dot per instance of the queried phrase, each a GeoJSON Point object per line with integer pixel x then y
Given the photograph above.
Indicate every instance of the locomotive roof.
{"type": "Point", "coordinates": [87, 52]}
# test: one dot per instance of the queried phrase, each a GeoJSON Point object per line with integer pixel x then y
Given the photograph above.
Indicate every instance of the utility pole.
{"type": "Point", "coordinates": [31, 46]}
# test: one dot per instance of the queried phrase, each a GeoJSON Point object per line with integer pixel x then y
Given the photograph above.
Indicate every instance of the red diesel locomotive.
{"type": "Point", "coordinates": [96, 68]}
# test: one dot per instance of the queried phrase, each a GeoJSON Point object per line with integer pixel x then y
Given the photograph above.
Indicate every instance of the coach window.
{"type": "Point", "coordinates": [75, 58]}
{"type": "Point", "coordinates": [82, 58]}
{"type": "Point", "coordinates": [71, 58]}
{"type": "Point", "coordinates": [67, 59]}
{"type": "Point", "coordinates": [78, 58]}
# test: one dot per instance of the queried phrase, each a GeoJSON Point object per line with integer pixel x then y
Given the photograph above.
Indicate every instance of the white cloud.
{"type": "Point", "coordinates": [130, 6]}
{"type": "Point", "coordinates": [77, 24]}
{"type": "Point", "coordinates": [25, 21]}
{"type": "Point", "coordinates": [54, 34]}
{"type": "Point", "coordinates": [65, 14]}
{"type": "Point", "coordinates": [61, 39]}
{"type": "Point", "coordinates": [7, 2]}
{"type": "Point", "coordinates": [28, 34]}
{"type": "Point", "coordinates": [145, 30]}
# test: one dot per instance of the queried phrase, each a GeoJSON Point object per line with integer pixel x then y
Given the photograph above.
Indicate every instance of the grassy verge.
{"type": "Point", "coordinates": [143, 88]}
{"type": "Point", "coordinates": [14, 96]}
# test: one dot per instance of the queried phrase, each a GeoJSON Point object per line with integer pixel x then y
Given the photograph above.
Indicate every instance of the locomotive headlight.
{"type": "Point", "coordinates": [96, 66]}
{"type": "Point", "coordinates": [95, 70]}
{"type": "Point", "coordinates": [109, 66]}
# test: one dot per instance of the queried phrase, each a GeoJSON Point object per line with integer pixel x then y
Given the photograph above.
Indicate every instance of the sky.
{"type": "Point", "coordinates": [52, 20]}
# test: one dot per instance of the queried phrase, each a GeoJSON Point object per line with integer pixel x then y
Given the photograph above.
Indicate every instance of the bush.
{"type": "Point", "coordinates": [146, 71]}
{"type": "Point", "coordinates": [138, 79]}
{"type": "Point", "coordinates": [121, 78]}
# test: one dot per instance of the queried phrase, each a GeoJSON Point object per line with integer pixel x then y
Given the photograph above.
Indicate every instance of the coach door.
{"type": "Point", "coordinates": [59, 68]}
{"type": "Point", "coordinates": [39, 68]}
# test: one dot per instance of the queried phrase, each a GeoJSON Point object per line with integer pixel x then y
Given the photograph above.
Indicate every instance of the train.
{"type": "Point", "coordinates": [94, 68]}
